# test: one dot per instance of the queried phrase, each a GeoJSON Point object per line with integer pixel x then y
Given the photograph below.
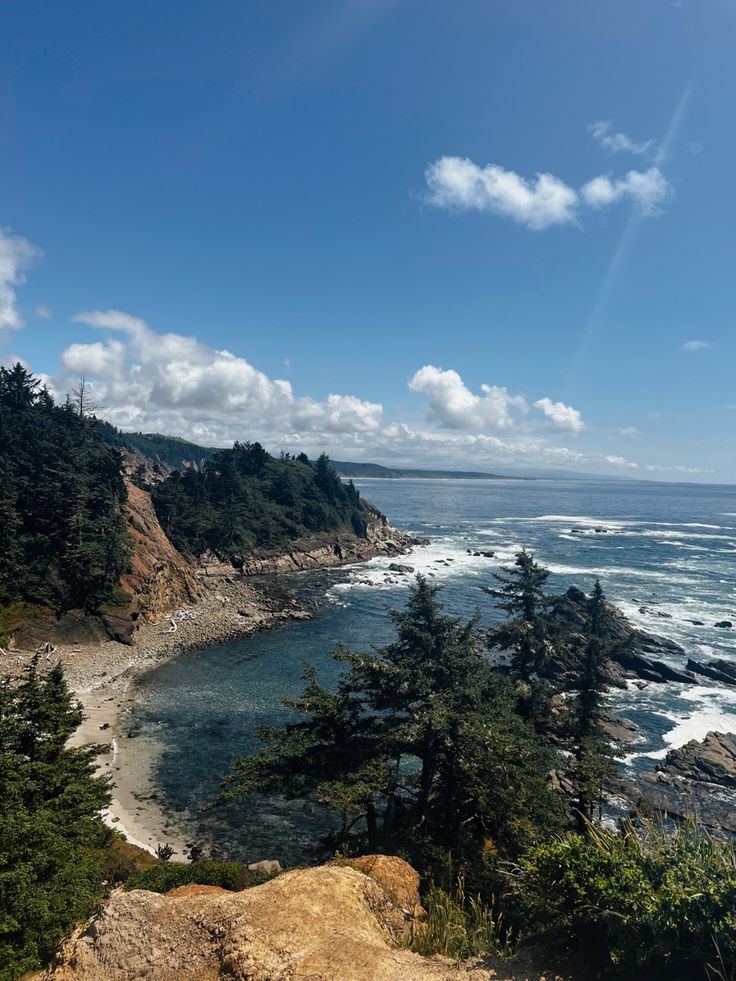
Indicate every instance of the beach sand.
{"type": "Point", "coordinates": [103, 677]}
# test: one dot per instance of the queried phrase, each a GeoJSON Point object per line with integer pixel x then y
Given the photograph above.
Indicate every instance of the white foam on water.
{"type": "Point", "coordinates": [714, 710]}
{"type": "Point", "coordinates": [442, 560]}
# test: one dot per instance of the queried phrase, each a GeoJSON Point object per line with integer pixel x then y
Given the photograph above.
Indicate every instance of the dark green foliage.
{"type": "Point", "coordinates": [245, 499]}
{"type": "Point", "coordinates": [162, 876]}
{"type": "Point", "coordinates": [63, 543]}
{"type": "Point", "coordinates": [638, 903]}
{"type": "Point", "coordinates": [593, 755]}
{"type": "Point", "coordinates": [53, 842]}
{"type": "Point", "coordinates": [521, 595]}
{"type": "Point", "coordinates": [171, 450]}
{"type": "Point", "coordinates": [419, 749]}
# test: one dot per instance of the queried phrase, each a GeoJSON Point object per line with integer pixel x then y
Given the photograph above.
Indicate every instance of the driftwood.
{"type": "Point", "coordinates": [177, 617]}
{"type": "Point", "coordinates": [48, 649]}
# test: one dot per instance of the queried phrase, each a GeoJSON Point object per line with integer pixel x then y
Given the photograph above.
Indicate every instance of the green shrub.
{"type": "Point", "coordinates": [459, 927]}
{"type": "Point", "coordinates": [163, 876]}
{"type": "Point", "coordinates": [640, 899]}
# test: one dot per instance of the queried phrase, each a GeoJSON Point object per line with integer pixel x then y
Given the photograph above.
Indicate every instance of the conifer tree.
{"type": "Point", "coordinates": [420, 743]}
{"type": "Point", "coordinates": [593, 754]}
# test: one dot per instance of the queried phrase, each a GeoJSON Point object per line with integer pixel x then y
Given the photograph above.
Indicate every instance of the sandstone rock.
{"type": "Point", "coordinates": [324, 924]}
{"type": "Point", "coordinates": [267, 866]}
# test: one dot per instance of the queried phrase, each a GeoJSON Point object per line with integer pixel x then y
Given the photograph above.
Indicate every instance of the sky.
{"type": "Point", "coordinates": [474, 234]}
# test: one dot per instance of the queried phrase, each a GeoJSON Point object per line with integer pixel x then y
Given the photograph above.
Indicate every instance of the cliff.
{"type": "Point", "coordinates": [160, 578]}
{"type": "Point", "coordinates": [334, 923]}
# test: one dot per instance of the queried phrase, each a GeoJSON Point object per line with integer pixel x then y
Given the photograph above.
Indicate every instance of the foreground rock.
{"type": "Point", "coordinates": [697, 780]}
{"type": "Point", "coordinates": [333, 923]}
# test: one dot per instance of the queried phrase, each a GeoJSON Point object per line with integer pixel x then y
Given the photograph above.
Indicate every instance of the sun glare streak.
{"type": "Point", "coordinates": [623, 246]}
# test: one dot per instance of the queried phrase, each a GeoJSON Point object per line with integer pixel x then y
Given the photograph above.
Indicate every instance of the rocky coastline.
{"type": "Point", "coordinates": [175, 606]}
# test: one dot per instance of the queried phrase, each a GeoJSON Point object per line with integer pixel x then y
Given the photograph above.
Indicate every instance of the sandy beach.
{"type": "Point", "coordinates": [103, 677]}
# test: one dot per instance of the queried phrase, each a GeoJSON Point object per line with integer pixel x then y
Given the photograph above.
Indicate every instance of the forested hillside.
{"type": "Point", "coordinates": [63, 538]}
{"type": "Point", "coordinates": [63, 542]}
{"type": "Point", "coordinates": [244, 499]}
{"type": "Point", "coordinates": [169, 450]}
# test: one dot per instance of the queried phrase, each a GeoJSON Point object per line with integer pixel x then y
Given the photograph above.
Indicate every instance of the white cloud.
{"type": "Point", "coordinates": [563, 418]}
{"type": "Point", "coordinates": [171, 383]}
{"type": "Point", "coordinates": [46, 313]}
{"type": "Point", "coordinates": [455, 182]}
{"type": "Point", "coordinates": [646, 189]}
{"type": "Point", "coordinates": [605, 136]}
{"type": "Point", "coordinates": [16, 255]}
{"type": "Point", "coordinates": [453, 406]}
{"type": "Point", "coordinates": [690, 346]}
{"type": "Point", "coordinates": [98, 360]}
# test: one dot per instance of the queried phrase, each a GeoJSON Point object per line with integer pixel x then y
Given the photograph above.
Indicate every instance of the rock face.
{"type": "Point", "coordinates": [160, 579]}
{"type": "Point", "coordinates": [325, 550]}
{"type": "Point", "coordinates": [322, 924]}
{"type": "Point", "coordinates": [698, 779]}
{"type": "Point", "coordinates": [631, 656]}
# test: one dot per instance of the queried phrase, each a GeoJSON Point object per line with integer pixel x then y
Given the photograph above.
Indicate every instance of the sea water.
{"type": "Point", "coordinates": [670, 548]}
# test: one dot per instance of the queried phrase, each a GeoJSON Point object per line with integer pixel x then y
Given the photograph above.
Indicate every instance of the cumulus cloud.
{"type": "Point", "coordinates": [453, 406]}
{"type": "Point", "coordinates": [690, 346]}
{"type": "Point", "coordinates": [455, 182]}
{"type": "Point", "coordinates": [646, 189]}
{"type": "Point", "coordinates": [605, 136]}
{"type": "Point", "coordinates": [562, 418]}
{"type": "Point", "coordinates": [16, 255]}
{"type": "Point", "coordinates": [172, 383]}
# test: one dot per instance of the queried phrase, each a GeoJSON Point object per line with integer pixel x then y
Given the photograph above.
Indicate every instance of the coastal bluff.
{"type": "Point", "coordinates": [341, 922]}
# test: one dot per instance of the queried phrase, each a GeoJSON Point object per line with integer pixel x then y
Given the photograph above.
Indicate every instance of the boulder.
{"type": "Point", "coordinates": [724, 624]}
{"type": "Point", "coordinates": [333, 923]}
{"type": "Point", "coordinates": [398, 567]}
{"type": "Point", "coordinates": [266, 867]}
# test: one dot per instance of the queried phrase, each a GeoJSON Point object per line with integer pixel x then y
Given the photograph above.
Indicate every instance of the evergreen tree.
{"type": "Point", "coordinates": [52, 838]}
{"type": "Point", "coordinates": [63, 542]}
{"type": "Point", "coordinates": [593, 754]}
{"type": "Point", "coordinates": [419, 746]}
{"type": "Point", "coordinates": [521, 594]}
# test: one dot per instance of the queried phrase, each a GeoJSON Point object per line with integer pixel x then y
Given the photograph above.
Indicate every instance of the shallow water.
{"type": "Point", "coordinates": [669, 547]}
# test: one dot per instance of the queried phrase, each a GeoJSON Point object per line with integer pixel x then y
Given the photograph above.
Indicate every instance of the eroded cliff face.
{"type": "Point", "coordinates": [160, 579]}
{"type": "Point", "coordinates": [333, 923]}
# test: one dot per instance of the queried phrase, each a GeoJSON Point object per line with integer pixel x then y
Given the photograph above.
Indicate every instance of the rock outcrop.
{"type": "Point", "coordinates": [697, 780]}
{"type": "Point", "coordinates": [160, 578]}
{"type": "Point", "coordinates": [333, 923]}
{"type": "Point", "coordinates": [631, 655]}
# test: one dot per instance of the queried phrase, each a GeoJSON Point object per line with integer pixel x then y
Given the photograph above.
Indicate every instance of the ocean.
{"type": "Point", "coordinates": [669, 548]}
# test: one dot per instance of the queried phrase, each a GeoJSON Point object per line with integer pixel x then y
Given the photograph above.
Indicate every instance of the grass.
{"type": "Point", "coordinates": [459, 926]}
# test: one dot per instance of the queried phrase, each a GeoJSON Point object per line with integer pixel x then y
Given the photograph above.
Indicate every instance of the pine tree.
{"type": "Point", "coordinates": [521, 595]}
{"type": "Point", "coordinates": [419, 747]}
{"type": "Point", "coordinates": [593, 755]}
{"type": "Point", "coordinates": [52, 838]}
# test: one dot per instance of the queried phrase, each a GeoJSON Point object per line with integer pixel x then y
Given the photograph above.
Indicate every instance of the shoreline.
{"type": "Point", "coordinates": [104, 678]}
{"type": "Point", "coordinates": [103, 675]}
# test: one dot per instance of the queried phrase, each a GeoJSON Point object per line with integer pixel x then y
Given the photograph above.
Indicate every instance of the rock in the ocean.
{"type": "Point", "coordinates": [697, 779]}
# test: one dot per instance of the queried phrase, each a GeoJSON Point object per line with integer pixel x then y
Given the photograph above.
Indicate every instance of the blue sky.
{"type": "Point", "coordinates": [344, 197]}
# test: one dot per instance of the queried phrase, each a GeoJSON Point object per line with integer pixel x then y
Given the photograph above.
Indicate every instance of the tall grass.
{"type": "Point", "coordinates": [457, 926]}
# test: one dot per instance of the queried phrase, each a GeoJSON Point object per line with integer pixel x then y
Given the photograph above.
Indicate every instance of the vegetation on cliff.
{"type": "Point", "coordinates": [244, 498]}
{"type": "Point", "coordinates": [63, 543]}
